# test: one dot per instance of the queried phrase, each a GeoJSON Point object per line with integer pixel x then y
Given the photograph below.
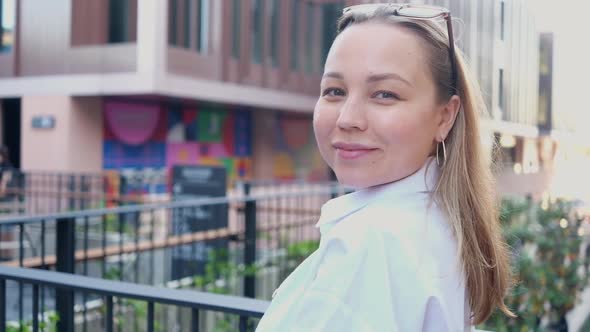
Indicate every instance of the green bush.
{"type": "Point", "coordinates": [549, 263]}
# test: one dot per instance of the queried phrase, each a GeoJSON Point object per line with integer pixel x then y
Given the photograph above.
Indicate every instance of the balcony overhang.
{"type": "Point", "coordinates": [121, 84]}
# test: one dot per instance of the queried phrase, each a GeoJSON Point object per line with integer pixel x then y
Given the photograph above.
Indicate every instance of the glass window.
{"type": "Point", "coordinates": [295, 35]}
{"type": "Point", "coordinates": [236, 19]}
{"type": "Point", "coordinates": [182, 30]}
{"type": "Point", "coordinates": [275, 32]}
{"type": "Point", "coordinates": [257, 23]}
{"type": "Point", "coordinates": [7, 10]}
{"type": "Point", "coordinates": [203, 33]}
{"type": "Point", "coordinates": [172, 20]}
{"type": "Point", "coordinates": [186, 24]}
{"type": "Point", "coordinates": [118, 21]}
{"type": "Point", "coordinates": [330, 15]}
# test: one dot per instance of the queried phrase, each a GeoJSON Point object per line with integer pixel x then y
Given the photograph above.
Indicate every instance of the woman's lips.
{"type": "Point", "coordinates": [351, 151]}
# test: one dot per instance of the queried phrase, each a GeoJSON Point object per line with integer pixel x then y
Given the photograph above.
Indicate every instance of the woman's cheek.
{"type": "Point", "coordinates": [398, 127]}
{"type": "Point", "coordinates": [323, 125]}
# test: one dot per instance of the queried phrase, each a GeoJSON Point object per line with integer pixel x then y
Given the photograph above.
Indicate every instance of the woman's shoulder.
{"type": "Point", "coordinates": [405, 217]}
{"type": "Point", "coordinates": [413, 234]}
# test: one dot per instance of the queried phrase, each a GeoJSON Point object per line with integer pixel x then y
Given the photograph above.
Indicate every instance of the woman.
{"type": "Point", "coordinates": [417, 247]}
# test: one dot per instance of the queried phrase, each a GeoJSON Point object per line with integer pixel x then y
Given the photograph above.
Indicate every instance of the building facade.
{"type": "Point", "coordinates": [131, 85]}
{"type": "Point", "coordinates": [128, 85]}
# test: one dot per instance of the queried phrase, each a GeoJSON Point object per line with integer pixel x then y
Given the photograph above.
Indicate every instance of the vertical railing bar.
{"type": "Point", "coordinates": [59, 192]}
{"type": "Point", "coordinates": [71, 192]}
{"type": "Point", "coordinates": [21, 247]}
{"type": "Point", "coordinates": [85, 266]}
{"type": "Point", "coordinates": [43, 266]}
{"type": "Point", "coordinates": [137, 217]}
{"type": "Point", "coordinates": [121, 227]}
{"type": "Point", "coordinates": [278, 220]}
{"type": "Point", "coordinates": [85, 271]}
{"type": "Point", "coordinates": [170, 217]}
{"type": "Point", "coordinates": [293, 231]}
{"type": "Point", "coordinates": [193, 246]}
{"type": "Point", "coordinates": [21, 253]}
{"type": "Point", "coordinates": [243, 323]}
{"type": "Point", "coordinates": [35, 308]}
{"type": "Point", "coordinates": [65, 262]}
{"type": "Point", "coordinates": [28, 193]}
{"type": "Point", "coordinates": [3, 304]}
{"type": "Point", "coordinates": [194, 320]}
{"type": "Point", "coordinates": [109, 322]}
{"type": "Point", "coordinates": [137, 252]}
{"type": "Point", "coordinates": [150, 317]}
{"type": "Point", "coordinates": [250, 246]}
{"type": "Point", "coordinates": [33, 183]}
{"type": "Point", "coordinates": [103, 264]}
{"type": "Point", "coordinates": [43, 243]}
{"type": "Point", "coordinates": [184, 211]}
{"type": "Point", "coordinates": [299, 217]}
{"type": "Point", "coordinates": [274, 234]}
{"type": "Point", "coordinates": [282, 217]}
{"type": "Point", "coordinates": [152, 252]}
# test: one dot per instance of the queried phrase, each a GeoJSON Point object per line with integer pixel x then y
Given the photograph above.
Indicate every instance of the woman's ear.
{"type": "Point", "coordinates": [448, 114]}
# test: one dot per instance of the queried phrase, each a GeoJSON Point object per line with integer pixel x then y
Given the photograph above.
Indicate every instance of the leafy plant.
{"type": "Point", "coordinates": [49, 324]}
{"type": "Point", "coordinates": [221, 276]}
{"type": "Point", "coordinates": [551, 271]}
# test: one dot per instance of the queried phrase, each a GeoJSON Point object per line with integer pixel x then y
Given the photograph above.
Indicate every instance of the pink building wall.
{"type": "Point", "coordinates": [73, 145]}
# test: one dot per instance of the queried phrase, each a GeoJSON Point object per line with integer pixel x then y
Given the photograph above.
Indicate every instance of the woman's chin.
{"type": "Point", "coordinates": [356, 181]}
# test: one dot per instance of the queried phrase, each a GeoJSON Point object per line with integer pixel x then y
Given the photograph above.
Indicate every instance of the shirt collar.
{"type": "Point", "coordinates": [422, 181]}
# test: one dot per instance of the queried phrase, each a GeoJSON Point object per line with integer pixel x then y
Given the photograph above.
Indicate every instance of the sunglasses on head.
{"type": "Point", "coordinates": [419, 12]}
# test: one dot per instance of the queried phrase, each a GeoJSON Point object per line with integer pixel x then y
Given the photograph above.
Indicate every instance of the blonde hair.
{"type": "Point", "coordinates": [465, 190]}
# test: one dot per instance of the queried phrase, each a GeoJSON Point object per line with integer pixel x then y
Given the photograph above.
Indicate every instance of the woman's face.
{"type": "Point", "coordinates": [377, 118]}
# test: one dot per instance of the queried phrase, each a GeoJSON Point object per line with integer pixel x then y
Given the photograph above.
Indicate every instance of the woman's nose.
{"type": "Point", "coordinates": [352, 115]}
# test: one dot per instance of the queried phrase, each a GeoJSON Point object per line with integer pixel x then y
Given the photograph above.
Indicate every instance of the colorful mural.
{"type": "Point", "coordinates": [210, 136]}
{"type": "Point", "coordinates": [296, 155]}
{"type": "Point", "coordinates": [151, 135]}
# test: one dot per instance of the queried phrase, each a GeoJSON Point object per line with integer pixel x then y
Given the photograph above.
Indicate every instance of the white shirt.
{"type": "Point", "coordinates": [387, 261]}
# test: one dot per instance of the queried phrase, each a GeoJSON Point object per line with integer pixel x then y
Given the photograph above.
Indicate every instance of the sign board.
{"type": "Point", "coordinates": [43, 122]}
{"type": "Point", "coordinates": [190, 182]}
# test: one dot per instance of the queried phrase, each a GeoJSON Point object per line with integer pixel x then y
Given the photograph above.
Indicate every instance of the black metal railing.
{"type": "Point", "coordinates": [111, 291]}
{"type": "Point", "coordinates": [42, 192]}
{"type": "Point", "coordinates": [166, 243]}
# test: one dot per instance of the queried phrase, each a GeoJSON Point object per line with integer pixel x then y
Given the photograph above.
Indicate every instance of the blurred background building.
{"type": "Point", "coordinates": [130, 86]}
{"type": "Point", "coordinates": [135, 87]}
{"type": "Point", "coordinates": [101, 98]}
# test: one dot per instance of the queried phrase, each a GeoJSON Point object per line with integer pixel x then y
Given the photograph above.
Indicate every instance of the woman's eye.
{"type": "Point", "coordinates": [385, 95]}
{"type": "Point", "coordinates": [333, 92]}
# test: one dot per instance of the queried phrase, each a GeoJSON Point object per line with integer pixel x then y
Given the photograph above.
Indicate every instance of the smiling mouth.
{"type": "Point", "coordinates": [352, 151]}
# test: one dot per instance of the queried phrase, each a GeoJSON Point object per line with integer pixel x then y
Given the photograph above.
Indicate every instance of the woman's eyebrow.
{"type": "Point", "coordinates": [333, 75]}
{"type": "Point", "coordinates": [387, 76]}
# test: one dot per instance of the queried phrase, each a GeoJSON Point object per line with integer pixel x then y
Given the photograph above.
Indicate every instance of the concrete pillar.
{"type": "Point", "coordinates": [152, 38]}
{"type": "Point", "coordinates": [74, 144]}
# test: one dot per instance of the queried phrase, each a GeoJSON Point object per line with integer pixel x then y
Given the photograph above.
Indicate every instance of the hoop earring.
{"type": "Point", "coordinates": [444, 154]}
